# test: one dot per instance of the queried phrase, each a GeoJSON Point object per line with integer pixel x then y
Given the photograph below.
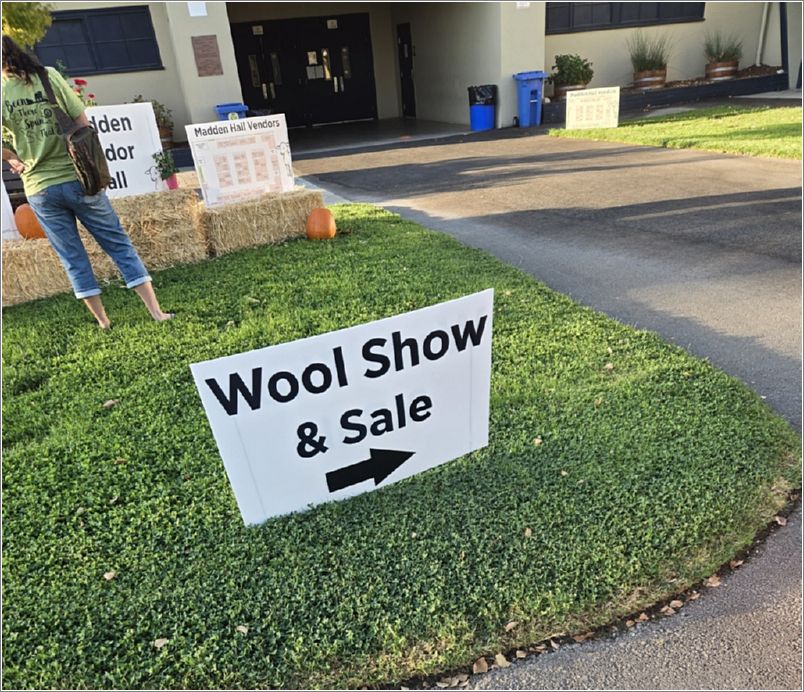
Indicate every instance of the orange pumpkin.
{"type": "Point", "coordinates": [27, 223]}
{"type": "Point", "coordinates": [320, 224]}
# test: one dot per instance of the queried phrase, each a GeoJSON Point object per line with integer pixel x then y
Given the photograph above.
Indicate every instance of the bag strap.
{"type": "Point", "coordinates": [66, 123]}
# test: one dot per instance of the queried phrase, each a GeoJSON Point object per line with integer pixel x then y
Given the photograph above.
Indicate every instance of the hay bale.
{"type": "Point", "coordinates": [268, 219]}
{"type": "Point", "coordinates": [31, 270]}
{"type": "Point", "coordinates": [162, 226]}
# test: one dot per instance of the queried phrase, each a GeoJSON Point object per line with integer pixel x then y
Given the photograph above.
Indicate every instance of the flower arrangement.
{"type": "Point", "coordinates": [79, 86]}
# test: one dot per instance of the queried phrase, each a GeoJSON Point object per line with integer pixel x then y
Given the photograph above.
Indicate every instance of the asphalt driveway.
{"type": "Point", "coordinates": [704, 249]}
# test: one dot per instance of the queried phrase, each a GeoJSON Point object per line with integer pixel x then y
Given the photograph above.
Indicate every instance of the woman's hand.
{"type": "Point", "coordinates": [14, 162]}
{"type": "Point", "coordinates": [16, 165]}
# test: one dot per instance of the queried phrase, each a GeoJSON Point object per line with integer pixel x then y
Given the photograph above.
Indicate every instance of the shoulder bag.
{"type": "Point", "coordinates": [83, 146]}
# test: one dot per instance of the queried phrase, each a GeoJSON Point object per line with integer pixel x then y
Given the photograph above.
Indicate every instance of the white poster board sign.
{"type": "Point", "coordinates": [9, 228]}
{"type": "Point", "coordinates": [130, 138]}
{"type": "Point", "coordinates": [238, 160]}
{"type": "Point", "coordinates": [342, 413]}
{"type": "Point", "coordinates": [589, 108]}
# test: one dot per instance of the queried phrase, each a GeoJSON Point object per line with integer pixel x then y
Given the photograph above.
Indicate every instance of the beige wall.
{"type": "Point", "coordinates": [383, 37]}
{"type": "Point", "coordinates": [456, 45]}
{"type": "Point", "coordinates": [202, 93]}
{"type": "Point", "coordinates": [160, 85]}
{"type": "Point", "coordinates": [772, 51]}
{"type": "Point", "coordinates": [522, 48]}
{"type": "Point", "coordinates": [772, 46]}
{"type": "Point", "coordinates": [609, 55]}
{"type": "Point", "coordinates": [795, 29]}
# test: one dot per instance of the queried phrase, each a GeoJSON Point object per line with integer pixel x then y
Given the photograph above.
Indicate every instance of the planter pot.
{"type": "Point", "coordinates": [172, 182]}
{"type": "Point", "coordinates": [166, 135]}
{"type": "Point", "coordinates": [718, 71]}
{"type": "Point", "coordinates": [650, 79]}
{"type": "Point", "coordinates": [560, 91]}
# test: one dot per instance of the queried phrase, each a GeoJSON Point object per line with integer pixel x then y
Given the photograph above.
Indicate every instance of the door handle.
{"type": "Point", "coordinates": [273, 91]}
{"type": "Point", "coordinates": [342, 87]}
{"type": "Point", "coordinates": [335, 84]}
{"type": "Point", "coordinates": [265, 91]}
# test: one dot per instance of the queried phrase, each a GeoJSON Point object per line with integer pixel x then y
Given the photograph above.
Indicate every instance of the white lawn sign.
{"type": "Point", "coordinates": [339, 414]}
{"type": "Point", "coordinates": [590, 108]}
{"type": "Point", "coordinates": [130, 138]}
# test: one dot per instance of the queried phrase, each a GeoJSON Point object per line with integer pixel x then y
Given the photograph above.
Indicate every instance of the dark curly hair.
{"type": "Point", "coordinates": [19, 62]}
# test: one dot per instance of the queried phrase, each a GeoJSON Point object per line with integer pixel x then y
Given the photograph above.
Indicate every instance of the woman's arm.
{"type": "Point", "coordinates": [82, 120]}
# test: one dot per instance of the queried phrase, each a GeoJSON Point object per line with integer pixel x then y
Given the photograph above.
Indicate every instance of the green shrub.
{"type": "Point", "coordinates": [571, 69]}
{"type": "Point", "coordinates": [648, 53]}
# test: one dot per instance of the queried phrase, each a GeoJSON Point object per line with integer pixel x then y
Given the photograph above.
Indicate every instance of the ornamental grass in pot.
{"type": "Point", "coordinates": [723, 53]}
{"type": "Point", "coordinates": [570, 73]}
{"type": "Point", "coordinates": [649, 57]}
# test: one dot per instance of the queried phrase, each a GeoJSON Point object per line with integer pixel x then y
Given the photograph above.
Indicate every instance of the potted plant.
{"type": "Point", "coordinates": [164, 120]}
{"type": "Point", "coordinates": [723, 55]}
{"type": "Point", "coordinates": [167, 168]}
{"type": "Point", "coordinates": [571, 72]}
{"type": "Point", "coordinates": [649, 58]}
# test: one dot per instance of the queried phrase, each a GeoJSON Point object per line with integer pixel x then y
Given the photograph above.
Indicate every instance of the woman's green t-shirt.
{"type": "Point", "coordinates": [30, 128]}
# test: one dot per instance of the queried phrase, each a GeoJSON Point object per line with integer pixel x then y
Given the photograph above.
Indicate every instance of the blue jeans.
{"type": "Point", "coordinates": [57, 208]}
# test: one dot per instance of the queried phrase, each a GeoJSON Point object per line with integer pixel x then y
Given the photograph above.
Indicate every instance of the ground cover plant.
{"type": "Point", "coordinates": [771, 132]}
{"type": "Point", "coordinates": [619, 470]}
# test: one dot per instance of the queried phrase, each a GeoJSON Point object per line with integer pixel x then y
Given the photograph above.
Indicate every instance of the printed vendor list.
{"type": "Point", "coordinates": [241, 160]}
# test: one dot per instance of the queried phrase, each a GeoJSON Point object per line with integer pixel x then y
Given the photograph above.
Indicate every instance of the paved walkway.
{"type": "Point", "coordinates": [704, 249]}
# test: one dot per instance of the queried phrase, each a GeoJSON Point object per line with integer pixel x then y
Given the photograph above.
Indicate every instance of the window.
{"type": "Point", "coordinates": [119, 39]}
{"type": "Point", "coordinates": [569, 17]}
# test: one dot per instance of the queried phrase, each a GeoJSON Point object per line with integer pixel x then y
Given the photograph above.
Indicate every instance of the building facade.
{"type": "Point", "coordinates": [332, 62]}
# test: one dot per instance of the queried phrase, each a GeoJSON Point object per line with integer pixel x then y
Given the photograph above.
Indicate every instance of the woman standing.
{"type": "Point", "coordinates": [37, 151]}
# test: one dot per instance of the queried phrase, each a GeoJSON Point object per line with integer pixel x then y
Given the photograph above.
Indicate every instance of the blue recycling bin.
{"type": "Point", "coordinates": [481, 118]}
{"type": "Point", "coordinates": [529, 90]}
{"type": "Point", "coordinates": [482, 107]}
{"type": "Point", "coordinates": [231, 111]}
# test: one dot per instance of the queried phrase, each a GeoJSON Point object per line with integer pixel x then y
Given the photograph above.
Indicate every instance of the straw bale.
{"type": "Point", "coordinates": [162, 226]}
{"type": "Point", "coordinates": [31, 270]}
{"type": "Point", "coordinates": [271, 218]}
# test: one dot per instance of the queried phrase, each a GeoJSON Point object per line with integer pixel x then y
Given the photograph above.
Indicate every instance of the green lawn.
{"type": "Point", "coordinates": [772, 132]}
{"type": "Point", "coordinates": [653, 469]}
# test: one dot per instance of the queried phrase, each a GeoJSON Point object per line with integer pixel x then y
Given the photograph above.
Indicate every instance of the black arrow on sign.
{"type": "Point", "coordinates": [380, 464]}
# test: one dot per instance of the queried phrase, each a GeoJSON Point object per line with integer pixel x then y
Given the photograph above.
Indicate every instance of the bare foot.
{"type": "Point", "coordinates": [165, 316]}
{"type": "Point", "coordinates": [105, 326]}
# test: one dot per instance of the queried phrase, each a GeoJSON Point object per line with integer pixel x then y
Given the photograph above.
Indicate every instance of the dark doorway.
{"type": "Point", "coordinates": [314, 70]}
{"type": "Point", "coordinates": [405, 46]}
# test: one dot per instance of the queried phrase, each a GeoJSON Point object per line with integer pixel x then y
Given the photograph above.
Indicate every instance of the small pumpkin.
{"type": "Point", "coordinates": [27, 223]}
{"type": "Point", "coordinates": [320, 224]}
